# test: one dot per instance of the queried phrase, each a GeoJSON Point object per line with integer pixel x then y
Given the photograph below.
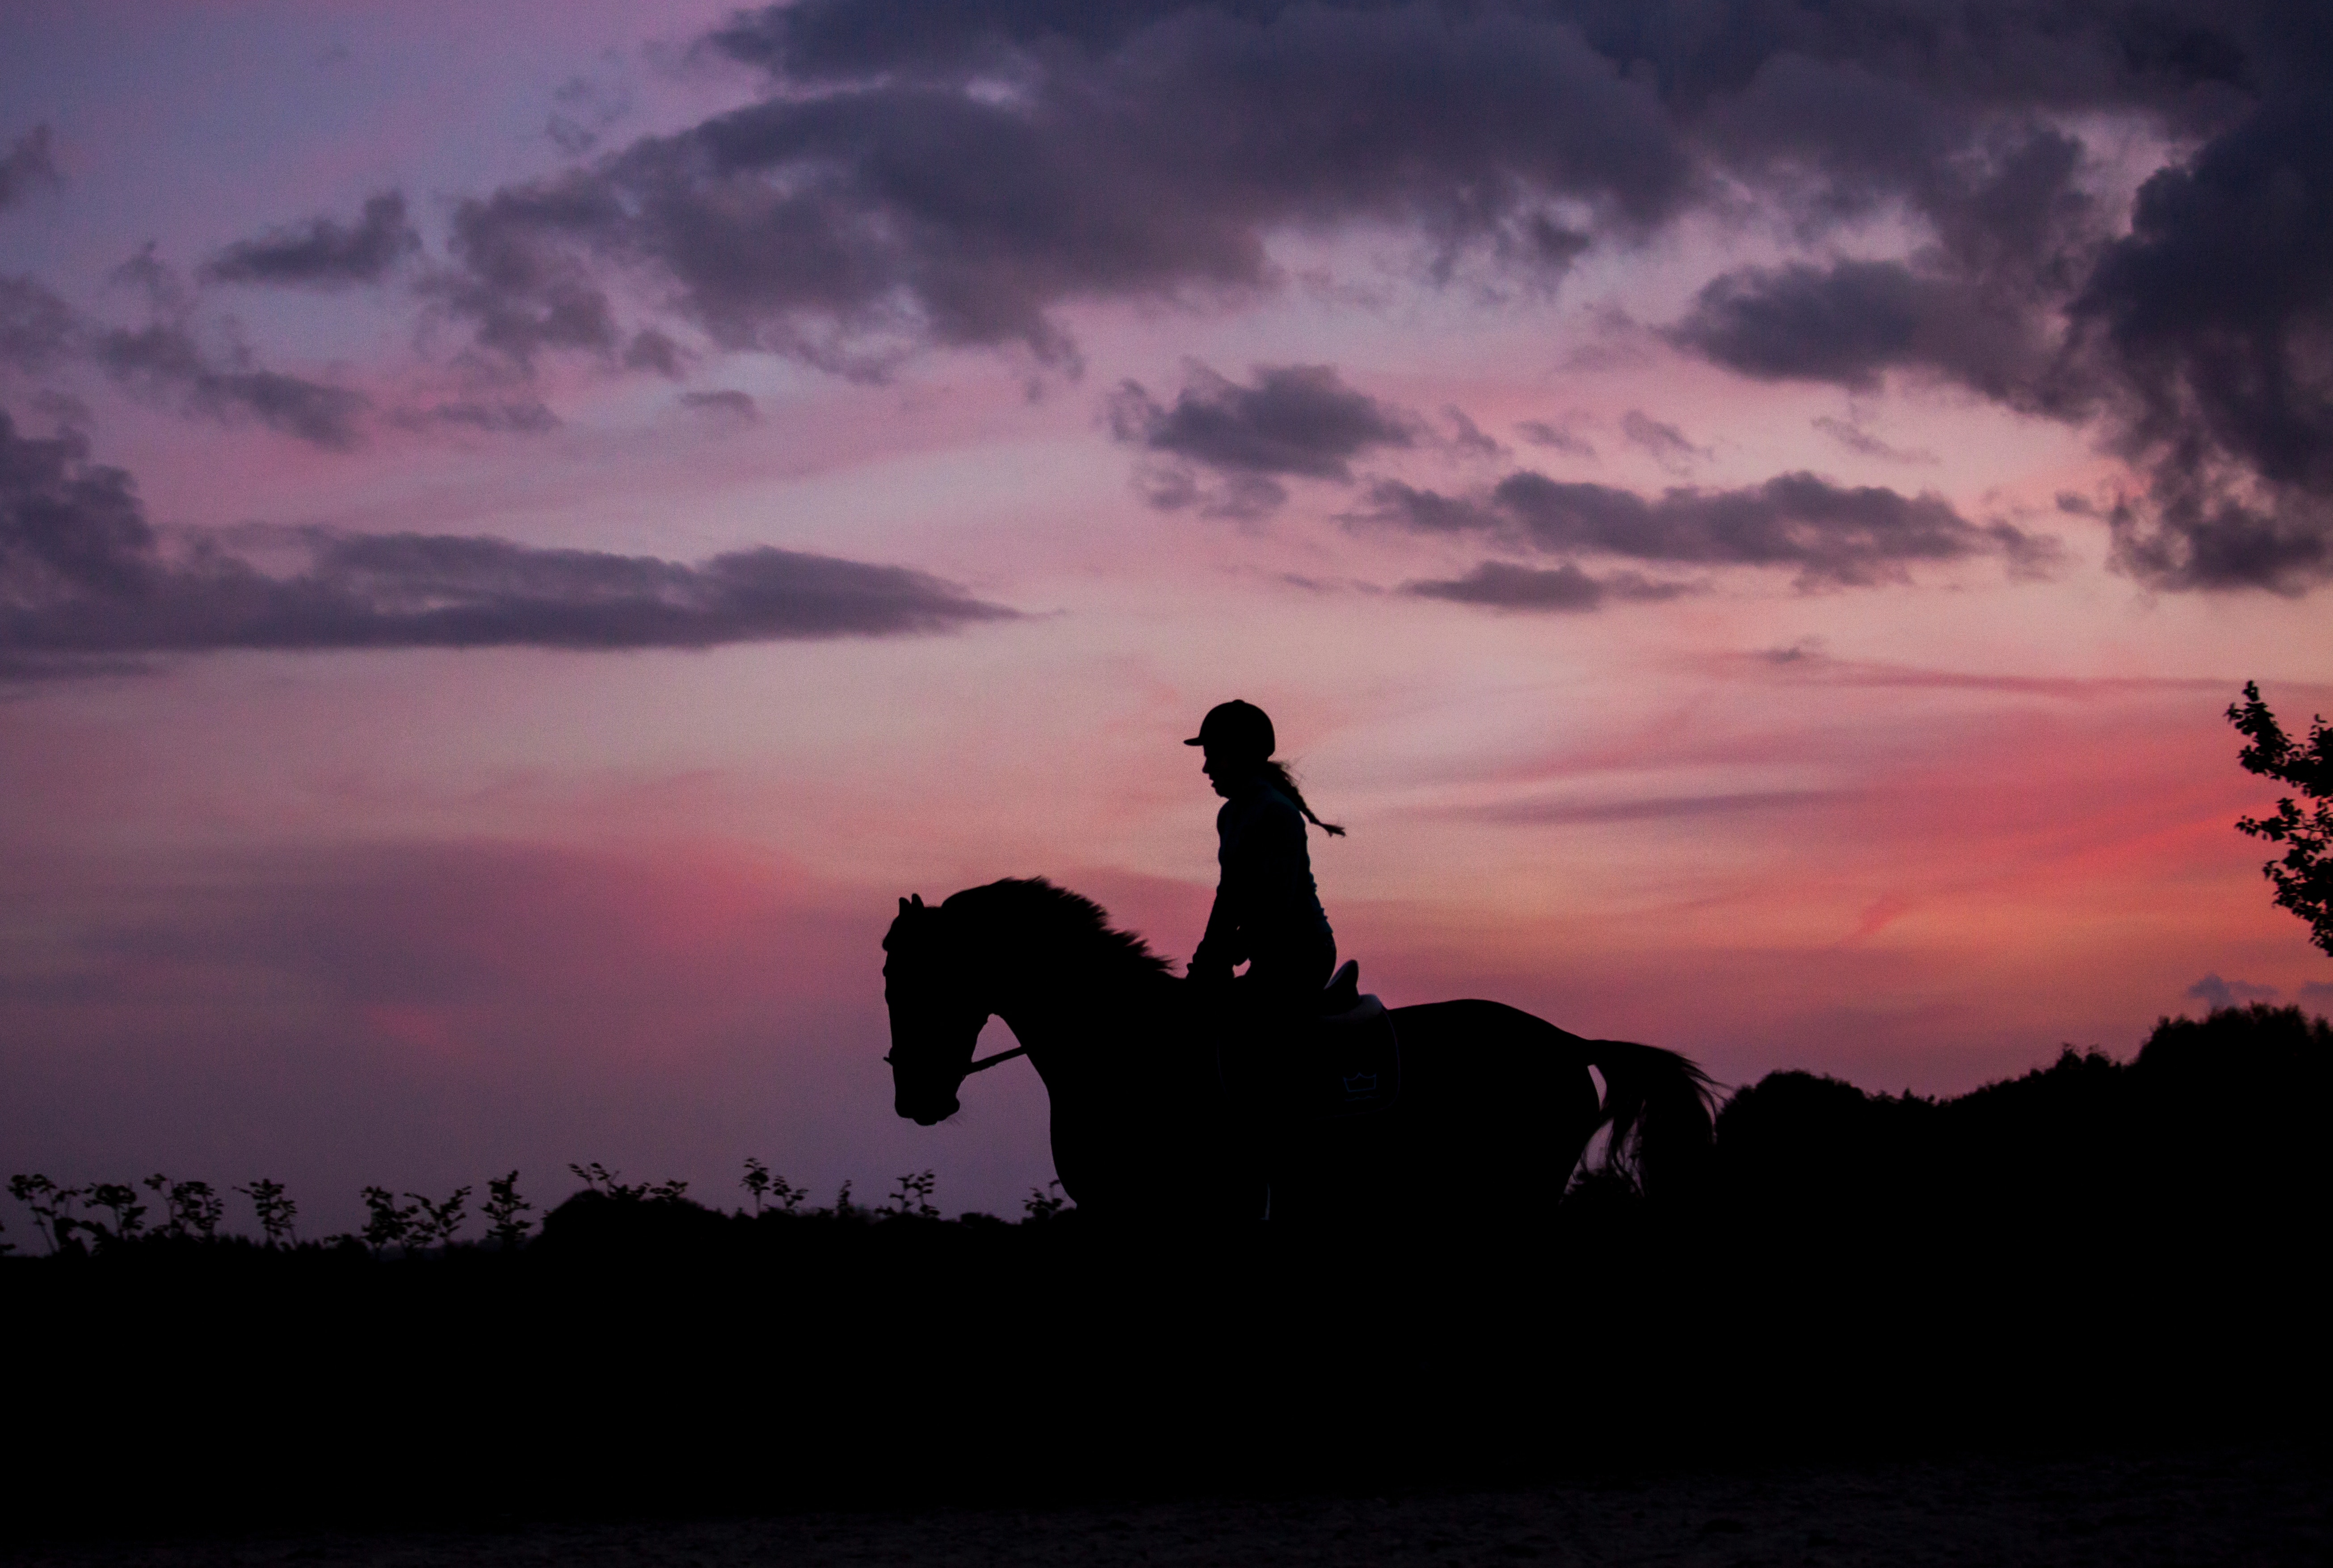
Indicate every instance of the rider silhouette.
{"type": "Point", "coordinates": [1267, 910]}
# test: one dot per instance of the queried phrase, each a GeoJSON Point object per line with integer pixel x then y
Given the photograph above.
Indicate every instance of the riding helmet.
{"type": "Point", "coordinates": [1236, 729]}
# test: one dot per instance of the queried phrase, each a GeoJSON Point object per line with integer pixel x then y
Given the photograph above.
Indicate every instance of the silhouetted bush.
{"type": "Point", "coordinates": [505, 1212]}
{"type": "Point", "coordinates": [2216, 1121]}
{"type": "Point", "coordinates": [274, 1212]}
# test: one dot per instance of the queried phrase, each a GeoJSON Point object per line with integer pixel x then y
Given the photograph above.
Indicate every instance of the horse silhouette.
{"type": "Point", "coordinates": [1497, 1107]}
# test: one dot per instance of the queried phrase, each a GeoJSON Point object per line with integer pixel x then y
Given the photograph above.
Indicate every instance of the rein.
{"type": "Point", "coordinates": [984, 1063]}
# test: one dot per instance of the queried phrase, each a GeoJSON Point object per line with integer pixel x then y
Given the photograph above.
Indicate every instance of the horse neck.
{"type": "Point", "coordinates": [1061, 998]}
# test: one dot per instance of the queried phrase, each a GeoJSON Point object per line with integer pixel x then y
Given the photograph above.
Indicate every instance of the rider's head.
{"type": "Point", "coordinates": [1237, 739]}
{"type": "Point", "coordinates": [1236, 731]}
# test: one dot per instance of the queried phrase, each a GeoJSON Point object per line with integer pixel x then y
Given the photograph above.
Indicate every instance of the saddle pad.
{"type": "Point", "coordinates": [1348, 1063]}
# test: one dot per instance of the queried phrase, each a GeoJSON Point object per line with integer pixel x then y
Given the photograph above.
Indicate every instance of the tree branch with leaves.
{"type": "Point", "coordinates": [2303, 875]}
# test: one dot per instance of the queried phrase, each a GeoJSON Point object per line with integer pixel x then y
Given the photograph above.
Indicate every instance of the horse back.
{"type": "Point", "coordinates": [1495, 1103]}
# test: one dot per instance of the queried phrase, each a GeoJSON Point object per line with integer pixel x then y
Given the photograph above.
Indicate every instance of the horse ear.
{"type": "Point", "coordinates": [903, 906]}
{"type": "Point", "coordinates": [919, 900]}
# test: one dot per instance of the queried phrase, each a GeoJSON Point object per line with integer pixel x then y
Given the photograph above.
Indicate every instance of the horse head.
{"type": "Point", "coordinates": [935, 1020]}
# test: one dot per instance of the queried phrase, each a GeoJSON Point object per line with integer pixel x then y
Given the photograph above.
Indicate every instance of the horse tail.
{"type": "Point", "coordinates": [1662, 1111]}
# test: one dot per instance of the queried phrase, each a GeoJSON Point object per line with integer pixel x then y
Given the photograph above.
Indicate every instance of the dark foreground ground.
{"type": "Point", "coordinates": [2076, 1318]}
{"type": "Point", "coordinates": [2252, 1505]}
{"type": "Point", "coordinates": [1613, 1387]}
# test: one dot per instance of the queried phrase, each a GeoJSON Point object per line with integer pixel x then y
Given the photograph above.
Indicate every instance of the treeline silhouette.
{"type": "Point", "coordinates": [2095, 1252]}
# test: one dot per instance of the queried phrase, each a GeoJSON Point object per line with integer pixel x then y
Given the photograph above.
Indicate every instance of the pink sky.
{"type": "Point", "coordinates": [415, 914]}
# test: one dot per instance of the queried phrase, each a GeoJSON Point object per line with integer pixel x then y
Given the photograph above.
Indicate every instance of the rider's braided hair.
{"type": "Point", "coordinates": [1276, 775]}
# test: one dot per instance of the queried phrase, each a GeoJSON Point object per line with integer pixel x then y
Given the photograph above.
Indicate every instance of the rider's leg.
{"type": "Point", "coordinates": [1287, 977]}
{"type": "Point", "coordinates": [1277, 996]}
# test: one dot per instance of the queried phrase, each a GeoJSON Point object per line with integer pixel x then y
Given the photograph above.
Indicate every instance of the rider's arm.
{"type": "Point", "coordinates": [1225, 945]}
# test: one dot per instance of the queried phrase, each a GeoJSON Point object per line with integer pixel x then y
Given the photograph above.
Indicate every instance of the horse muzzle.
{"type": "Point", "coordinates": [930, 1113]}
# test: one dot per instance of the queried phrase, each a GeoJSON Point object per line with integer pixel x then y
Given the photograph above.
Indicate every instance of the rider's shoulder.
{"type": "Point", "coordinates": [1269, 804]}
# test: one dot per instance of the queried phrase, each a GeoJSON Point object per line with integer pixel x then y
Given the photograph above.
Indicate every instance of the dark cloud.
{"type": "Point", "coordinates": [1804, 651]}
{"type": "Point", "coordinates": [2012, 229]}
{"type": "Point", "coordinates": [84, 583]}
{"type": "Point", "coordinates": [1665, 442]}
{"type": "Point", "coordinates": [2214, 992]}
{"type": "Point", "coordinates": [2204, 336]}
{"type": "Point", "coordinates": [164, 359]}
{"type": "Point", "coordinates": [922, 173]}
{"type": "Point", "coordinates": [1550, 812]}
{"type": "Point", "coordinates": [512, 416]}
{"type": "Point", "coordinates": [1832, 535]}
{"type": "Point", "coordinates": [1500, 585]}
{"type": "Point", "coordinates": [70, 529]}
{"type": "Point", "coordinates": [25, 165]}
{"type": "Point", "coordinates": [1851, 322]}
{"type": "Point", "coordinates": [845, 39]}
{"type": "Point", "coordinates": [1390, 501]}
{"type": "Point", "coordinates": [37, 329]}
{"type": "Point", "coordinates": [2214, 321]}
{"type": "Point", "coordinates": [932, 171]}
{"type": "Point", "coordinates": [520, 289]}
{"type": "Point", "coordinates": [726, 404]}
{"type": "Point", "coordinates": [1297, 420]}
{"type": "Point", "coordinates": [1863, 444]}
{"type": "Point", "coordinates": [1844, 323]}
{"type": "Point", "coordinates": [650, 349]}
{"type": "Point", "coordinates": [1470, 439]}
{"type": "Point", "coordinates": [1558, 437]}
{"type": "Point", "coordinates": [167, 361]}
{"type": "Point", "coordinates": [585, 110]}
{"type": "Point", "coordinates": [324, 253]}
{"type": "Point", "coordinates": [972, 170]}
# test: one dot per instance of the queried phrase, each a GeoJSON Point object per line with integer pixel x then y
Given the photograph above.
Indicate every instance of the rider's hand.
{"type": "Point", "coordinates": [1208, 972]}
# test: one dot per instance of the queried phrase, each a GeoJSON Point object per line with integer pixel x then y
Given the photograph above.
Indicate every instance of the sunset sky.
{"type": "Point", "coordinates": [525, 527]}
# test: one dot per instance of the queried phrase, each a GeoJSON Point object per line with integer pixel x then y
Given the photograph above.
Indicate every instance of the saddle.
{"type": "Point", "coordinates": [1343, 1061]}
{"type": "Point", "coordinates": [1348, 1062]}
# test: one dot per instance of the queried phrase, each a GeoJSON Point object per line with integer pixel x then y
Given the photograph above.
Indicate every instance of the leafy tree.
{"type": "Point", "coordinates": [389, 1223]}
{"type": "Point", "coordinates": [194, 1205]}
{"type": "Point", "coordinates": [2304, 876]}
{"type": "Point", "coordinates": [49, 1203]}
{"type": "Point", "coordinates": [275, 1211]}
{"type": "Point", "coordinates": [668, 1191]}
{"type": "Point", "coordinates": [128, 1214]}
{"type": "Point", "coordinates": [194, 1209]}
{"type": "Point", "coordinates": [1042, 1205]}
{"type": "Point", "coordinates": [159, 1184]}
{"type": "Point", "coordinates": [768, 1187]}
{"type": "Point", "coordinates": [434, 1224]}
{"type": "Point", "coordinates": [599, 1179]}
{"type": "Point", "coordinates": [503, 1208]}
{"type": "Point", "coordinates": [914, 1198]}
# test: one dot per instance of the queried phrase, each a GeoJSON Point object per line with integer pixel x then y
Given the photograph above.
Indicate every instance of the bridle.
{"type": "Point", "coordinates": [984, 1063]}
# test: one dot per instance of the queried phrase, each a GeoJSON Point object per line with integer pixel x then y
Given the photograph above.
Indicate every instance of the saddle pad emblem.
{"type": "Point", "coordinates": [1355, 1061]}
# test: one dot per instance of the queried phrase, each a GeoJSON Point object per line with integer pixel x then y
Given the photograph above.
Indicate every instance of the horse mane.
{"type": "Point", "coordinates": [1035, 909]}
